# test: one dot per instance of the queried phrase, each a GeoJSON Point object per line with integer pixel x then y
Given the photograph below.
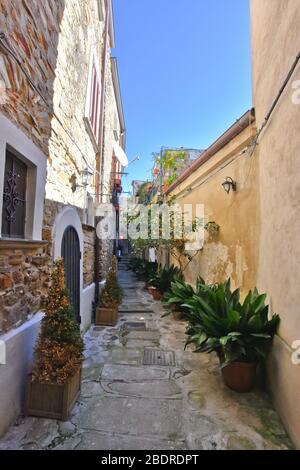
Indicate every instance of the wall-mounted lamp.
{"type": "Point", "coordinates": [86, 176]}
{"type": "Point", "coordinates": [229, 184]}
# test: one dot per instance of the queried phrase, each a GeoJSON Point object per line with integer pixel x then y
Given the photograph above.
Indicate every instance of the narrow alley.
{"type": "Point", "coordinates": [141, 390]}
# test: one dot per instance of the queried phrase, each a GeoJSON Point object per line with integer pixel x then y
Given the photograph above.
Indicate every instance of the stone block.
{"type": "Point", "coordinates": [18, 277]}
{"type": "Point", "coordinates": [6, 281]}
{"type": "Point", "coordinates": [15, 260]}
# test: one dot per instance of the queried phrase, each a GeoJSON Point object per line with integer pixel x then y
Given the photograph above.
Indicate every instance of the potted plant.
{"type": "Point", "coordinates": [240, 333]}
{"type": "Point", "coordinates": [54, 385]}
{"type": "Point", "coordinates": [110, 299]}
{"type": "Point", "coordinates": [161, 282]}
{"type": "Point", "coordinates": [179, 293]}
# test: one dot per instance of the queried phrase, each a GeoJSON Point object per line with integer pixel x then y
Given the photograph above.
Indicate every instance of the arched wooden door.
{"type": "Point", "coordinates": [70, 251]}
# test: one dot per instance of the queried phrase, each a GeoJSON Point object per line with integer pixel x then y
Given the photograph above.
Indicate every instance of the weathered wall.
{"type": "Point", "coordinates": [32, 32]}
{"type": "Point", "coordinates": [24, 279]}
{"type": "Point", "coordinates": [55, 40]}
{"type": "Point", "coordinates": [52, 210]}
{"type": "Point", "coordinates": [71, 148]}
{"type": "Point", "coordinates": [233, 251]}
{"type": "Point", "coordinates": [275, 44]}
{"type": "Point", "coordinates": [88, 255]}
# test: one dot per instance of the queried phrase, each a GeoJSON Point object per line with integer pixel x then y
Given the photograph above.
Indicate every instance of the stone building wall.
{"type": "Point", "coordinates": [88, 255]}
{"type": "Point", "coordinates": [71, 149]}
{"type": "Point", "coordinates": [32, 32]}
{"type": "Point", "coordinates": [52, 209]}
{"type": "Point", "coordinates": [24, 280]}
{"type": "Point", "coordinates": [25, 272]}
{"type": "Point", "coordinates": [54, 40]}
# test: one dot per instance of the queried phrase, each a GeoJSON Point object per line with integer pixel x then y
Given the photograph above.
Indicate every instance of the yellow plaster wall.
{"type": "Point", "coordinates": [275, 44]}
{"type": "Point", "coordinates": [233, 251]}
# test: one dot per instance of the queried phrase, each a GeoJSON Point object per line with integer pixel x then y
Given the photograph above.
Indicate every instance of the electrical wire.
{"type": "Point", "coordinates": [275, 102]}
{"type": "Point", "coordinates": [193, 188]}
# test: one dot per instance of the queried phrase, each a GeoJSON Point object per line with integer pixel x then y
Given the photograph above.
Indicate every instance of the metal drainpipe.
{"type": "Point", "coordinates": [99, 156]}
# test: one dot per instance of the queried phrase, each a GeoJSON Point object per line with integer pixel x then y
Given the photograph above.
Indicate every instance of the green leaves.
{"type": "Point", "coordinates": [164, 278]}
{"type": "Point", "coordinates": [242, 331]}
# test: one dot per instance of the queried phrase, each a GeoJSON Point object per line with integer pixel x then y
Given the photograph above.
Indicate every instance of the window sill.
{"type": "Point", "coordinates": [19, 244]}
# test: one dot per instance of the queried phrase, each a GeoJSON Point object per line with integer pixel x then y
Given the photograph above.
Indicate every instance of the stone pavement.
{"type": "Point", "coordinates": [125, 405]}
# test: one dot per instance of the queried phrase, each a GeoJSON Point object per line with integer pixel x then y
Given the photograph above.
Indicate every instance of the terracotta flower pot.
{"type": "Point", "coordinates": [240, 376]}
{"type": "Point", "coordinates": [155, 293]}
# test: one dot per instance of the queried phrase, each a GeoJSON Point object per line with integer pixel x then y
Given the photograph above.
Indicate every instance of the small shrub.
{"type": "Point", "coordinates": [58, 354]}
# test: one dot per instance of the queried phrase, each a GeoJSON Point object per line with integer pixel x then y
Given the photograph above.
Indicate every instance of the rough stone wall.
{"type": "Point", "coordinates": [71, 148]}
{"type": "Point", "coordinates": [105, 257]}
{"type": "Point", "coordinates": [54, 40]}
{"type": "Point", "coordinates": [88, 255]}
{"type": "Point", "coordinates": [25, 273]}
{"type": "Point", "coordinates": [52, 209]}
{"type": "Point", "coordinates": [32, 32]}
{"type": "Point", "coordinates": [24, 279]}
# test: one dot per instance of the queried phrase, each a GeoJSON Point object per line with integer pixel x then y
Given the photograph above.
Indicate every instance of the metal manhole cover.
{"type": "Point", "coordinates": [156, 357]}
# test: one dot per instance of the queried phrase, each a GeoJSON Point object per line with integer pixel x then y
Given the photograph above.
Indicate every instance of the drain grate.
{"type": "Point", "coordinates": [156, 357]}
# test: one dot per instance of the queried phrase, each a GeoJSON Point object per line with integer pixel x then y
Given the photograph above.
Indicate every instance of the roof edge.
{"type": "Point", "coordinates": [118, 94]}
{"type": "Point", "coordinates": [112, 24]}
{"type": "Point", "coordinates": [234, 130]}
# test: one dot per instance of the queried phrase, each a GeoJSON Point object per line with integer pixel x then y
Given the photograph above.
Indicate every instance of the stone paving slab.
{"type": "Point", "coordinates": [140, 343]}
{"type": "Point", "coordinates": [140, 416]}
{"type": "Point", "coordinates": [91, 389]}
{"type": "Point", "coordinates": [157, 389]}
{"type": "Point", "coordinates": [134, 374]}
{"type": "Point", "coordinates": [144, 335]}
{"type": "Point", "coordinates": [101, 441]}
{"type": "Point", "coordinates": [125, 405]}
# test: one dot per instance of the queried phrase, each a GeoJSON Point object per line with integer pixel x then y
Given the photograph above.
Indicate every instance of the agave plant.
{"type": "Point", "coordinates": [144, 269]}
{"type": "Point", "coordinates": [180, 293]}
{"type": "Point", "coordinates": [237, 331]}
{"type": "Point", "coordinates": [164, 278]}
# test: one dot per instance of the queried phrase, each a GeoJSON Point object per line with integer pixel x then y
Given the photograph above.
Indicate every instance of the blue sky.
{"type": "Point", "coordinates": [185, 69]}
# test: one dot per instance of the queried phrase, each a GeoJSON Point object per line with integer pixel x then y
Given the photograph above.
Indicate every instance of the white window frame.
{"type": "Point", "coordinates": [36, 162]}
{"type": "Point", "coordinates": [93, 63]}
